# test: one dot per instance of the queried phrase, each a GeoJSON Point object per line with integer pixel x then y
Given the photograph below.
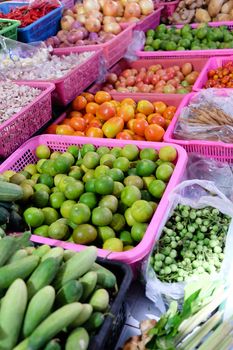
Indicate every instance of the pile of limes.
{"type": "Point", "coordinates": [98, 196]}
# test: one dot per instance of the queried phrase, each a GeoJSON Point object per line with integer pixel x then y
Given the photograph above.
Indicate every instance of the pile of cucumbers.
{"type": "Point", "coordinates": [51, 298]}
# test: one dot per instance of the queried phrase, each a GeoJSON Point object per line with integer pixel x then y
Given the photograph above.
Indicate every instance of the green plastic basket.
{"type": "Point", "coordinates": [11, 31]}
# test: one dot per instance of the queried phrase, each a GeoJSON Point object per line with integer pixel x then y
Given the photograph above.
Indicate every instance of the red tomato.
{"type": "Point", "coordinates": [154, 132]}
{"type": "Point", "coordinates": [94, 132]}
{"type": "Point", "coordinates": [124, 136]}
{"type": "Point", "coordinates": [78, 123]}
{"type": "Point", "coordinates": [156, 118]}
{"type": "Point", "coordinates": [140, 126]}
{"type": "Point", "coordinates": [106, 111]}
{"type": "Point", "coordinates": [113, 126]}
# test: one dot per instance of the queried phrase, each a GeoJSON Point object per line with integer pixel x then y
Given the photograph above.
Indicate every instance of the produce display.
{"type": "Point", "coordinates": [202, 11]}
{"type": "Point", "coordinates": [192, 242]}
{"type": "Point", "coordinates": [51, 298]}
{"type": "Point", "coordinates": [100, 116]}
{"type": "Point", "coordinates": [221, 77]}
{"type": "Point", "coordinates": [154, 79]}
{"type": "Point", "coordinates": [29, 14]}
{"type": "Point", "coordinates": [91, 195]}
{"type": "Point", "coordinates": [204, 37]}
{"type": "Point", "coordinates": [98, 21]}
{"type": "Point", "coordinates": [10, 103]}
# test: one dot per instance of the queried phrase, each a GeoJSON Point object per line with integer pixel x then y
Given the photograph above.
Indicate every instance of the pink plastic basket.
{"type": "Point", "coordinates": [168, 8]}
{"type": "Point", "coordinates": [217, 150]}
{"type": "Point", "coordinates": [212, 63]}
{"type": "Point", "coordinates": [16, 130]}
{"type": "Point", "coordinates": [152, 20]}
{"type": "Point", "coordinates": [188, 54]}
{"type": "Point", "coordinates": [26, 155]}
{"type": "Point", "coordinates": [113, 50]}
{"type": "Point", "coordinates": [68, 4]}
{"type": "Point", "coordinates": [198, 64]}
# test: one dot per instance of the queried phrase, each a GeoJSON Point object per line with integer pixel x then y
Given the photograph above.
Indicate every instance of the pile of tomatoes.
{"type": "Point", "coordinates": [221, 77]}
{"type": "Point", "coordinates": [100, 116]}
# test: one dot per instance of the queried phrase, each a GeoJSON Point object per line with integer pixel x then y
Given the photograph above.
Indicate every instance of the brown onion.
{"type": "Point", "coordinates": [109, 19]}
{"type": "Point", "coordinates": [93, 24]}
{"type": "Point", "coordinates": [113, 28]}
{"type": "Point", "coordinates": [110, 8]}
{"type": "Point", "coordinates": [90, 5]}
{"type": "Point", "coordinates": [147, 6]}
{"type": "Point", "coordinates": [132, 10]}
{"type": "Point", "coordinates": [66, 22]}
{"type": "Point", "coordinates": [81, 18]}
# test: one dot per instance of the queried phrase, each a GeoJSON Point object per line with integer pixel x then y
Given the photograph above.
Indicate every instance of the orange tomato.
{"type": "Point", "coordinates": [156, 118]}
{"type": "Point", "coordinates": [140, 116]}
{"type": "Point", "coordinates": [167, 123]}
{"type": "Point", "coordinates": [92, 107]}
{"type": "Point", "coordinates": [115, 103]}
{"type": "Point", "coordinates": [102, 96]}
{"type": "Point", "coordinates": [154, 132]}
{"type": "Point", "coordinates": [66, 121]}
{"type": "Point", "coordinates": [106, 111]}
{"type": "Point", "coordinates": [140, 126]}
{"type": "Point", "coordinates": [96, 123]}
{"type": "Point", "coordinates": [130, 124]}
{"type": "Point", "coordinates": [169, 112]}
{"type": "Point", "coordinates": [64, 130]}
{"type": "Point", "coordinates": [78, 133]}
{"type": "Point", "coordinates": [75, 114]}
{"type": "Point", "coordinates": [159, 106]}
{"type": "Point", "coordinates": [145, 107]}
{"type": "Point", "coordinates": [139, 138]}
{"type": "Point", "coordinates": [126, 112]}
{"type": "Point", "coordinates": [124, 136]}
{"type": "Point", "coordinates": [88, 96]}
{"type": "Point", "coordinates": [78, 124]}
{"type": "Point", "coordinates": [51, 129]}
{"type": "Point", "coordinates": [128, 131]}
{"type": "Point", "coordinates": [79, 103]}
{"type": "Point", "coordinates": [94, 132]}
{"type": "Point", "coordinates": [113, 126]}
{"type": "Point", "coordinates": [88, 117]}
{"type": "Point", "coordinates": [128, 101]}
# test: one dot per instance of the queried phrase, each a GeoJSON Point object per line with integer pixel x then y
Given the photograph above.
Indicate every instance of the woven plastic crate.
{"type": "Point", "coordinates": [168, 8]}
{"type": "Point", "coordinates": [78, 79]}
{"type": "Point", "coordinates": [11, 31]}
{"type": "Point", "coordinates": [212, 63]}
{"type": "Point", "coordinates": [113, 50]}
{"type": "Point", "coordinates": [110, 331]}
{"type": "Point", "coordinates": [16, 130]}
{"type": "Point", "coordinates": [151, 20]}
{"type": "Point", "coordinates": [216, 150]}
{"type": "Point", "coordinates": [41, 29]}
{"type": "Point", "coordinates": [188, 54]}
{"type": "Point", "coordinates": [198, 64]}
{"type": "Point", "coordinates": [26, 154]}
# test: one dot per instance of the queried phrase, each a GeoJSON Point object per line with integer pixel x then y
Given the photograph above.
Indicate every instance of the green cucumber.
{"type": "Point", "coordinates": [105, 278]}
{"type": "Point", "coordinates": [53, 345]}
{"type": "Point", "coordinates": [42, 250]}
{"type": "Point", "coordinates": [88, 281]}
{"type": "Point", "coordinates": [78, 340]}
{"type": "Point", "coordinates": [56, 253]}
{"type": "Point", "coordinates": [18, 269]}
{"type": "Point", "coordinates": [10, 244]}
{"type": "Point", "coordinates": [83, 316]}
{"type": "Point", "coordinates": [54, 324]}
{"type": "Point", "coordinates": [94, 322]}
{"type": "Point", "coordinates": [100, 300]}
{"type": "Point", "coordinates": [68, 254]}
{"type": "Point", "coordinates": [20, 254]}
{"type": "Point", "coordinates": [38, 309]}
{"type": "Point", "coordinates": [22, 346]}
{"type": "Point", "coordinates": [4, 216]}
{"type": "Point", "coordinates": [69, 293]}
{"type": "Point", "coordinates": [10, 192]}
{"type": "Point", "coordinates": [13, 307]}
{"type": "Point", "coordinates": [76, 266]}
{"type": "Point", "coordinates": [42, 276]}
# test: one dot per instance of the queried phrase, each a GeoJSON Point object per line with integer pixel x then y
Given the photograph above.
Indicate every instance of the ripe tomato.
{"type": "Point", "coordinates": [156, 118]}
{"type": "Point", "coordinates": [95, 122]}
{"type": "Point", "coordinates": [140, 126]}
{"type": "Point", "coordinates": [169, 112]}
{"type": "Point", "coordinates": [124, 136]}
{"type": "Point", "coordinates": [160, 107]}
{"type": "Point", "coordinates": [167, 123]}
{"type": "Point", "coordinates": [88, 117]}
{"type": "Point", "coordinates": [88, 96]}
{"type": "Point", "coordinates": [113, 126]}
{"type": "Point", "coordinates": [92, 107]}
{"type": "Point", "coordinates": [140, 116]}
{"type": "Point", "coordinates": [128, 101]}
{"type": "Point", "coordinates": [145, 107]}
{"type": "Point", "coordinates": [78, 133]}
{"type": "Point", "coordinates": [78, 123]}
{"type": "Point", "coordinates": [64, 130]}
{"type": "Point", "coordinates": [79, 103]}
{"type": "Point", "coordinates": [102, 96]}
{"type": "Point", "coordinates": [75, 114]}
{"type": "Point", "coordinates": [94, 132]}
{"type": "Point", "coordinates": [126, 112]}
{"type": "Point", "coordinates": [106, 111]}
{"type": "Point", "coordinates": [154, 132]}
{"type": "Point", "coordinates": [51, 129]}
{"type": "Point", "coordinates": [66, 121]}
{"type": "Point", "coordinates": [139, 138]}
{"type": "Point", "coordinates": [130, 124]}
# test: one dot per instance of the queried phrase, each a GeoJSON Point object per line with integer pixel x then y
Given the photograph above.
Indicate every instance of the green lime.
{"type": "Point", "coordinates": [57, 179]}
{"type": "Point", "coordinates": [149, 153]}
{"type": "Point", "coordinates": [74, 190]}
{"type": "Point", "coordinates": [138, 230]}
{"type": "Point", "coordinates": [74, 150]}
{"type": "Point", "coordinates": [41, 187]}
{"type": "Point", "coordinates": [116, 151]}
{"type": "Point", "coordinates": [31, 169]}
{"type": "Point", "coordinates": [110, 202]}
{"type": "Point", "coordinates": [121, 207]}
{"type": "Point", "coordinates": [129, 217]}
{"type": "Point", "coordinates": [34, 217]}
{"type": "Point", "coordinates": [88, 175]}
{"type": "Point", "coordinates": [126, 238]}
{"type": "Point", "coordinates": [105, 232]}
{"type": "Point", "coordinates": [168, 154]}
{"type": "Point", "coordinates": [146, 195]}
{"type": "Point", "coordinates": [70, 158]}
{"type": "Point", "coordinates": [42, 152]}
{"type": "Point", "coordinates": [84, 234]}
{"type": "Point", "coordinates": [154, 205]}
{"type": "Point", "coordinates": [107, 159]}
{"type": "Point", "coordinates": [157, 188]}
{"type": "Point", "coordinates": [39, 165]}
{"type": "Point", "coordinates": [121, 163]}
{"type": "Point", "coordinates": [150, 33]}
{"type": "Point", "coordinates": [113, 244]}
{"type": "Point", "coordinates": [145, 167]}
{"type": "Point", "coordinates": [134, 180]}
{"type": "Point", "coordinates": [56, 199]}
{"type": "Point", "coordinates": [118, 222]}
{"type": "Point", "coordinates": [64, 182]}
{"type": "Point", "coordinates": [117, 188]}
{"type": "Point", "coordinates": [50, 215]}
{"type": "Point", "coordinates": [66, 208]}
{"type": "Point", "coordinates": [87, 148]}
{"type": "Point", "coordinates": [91, 160]}
{"type": "Point", "coordinates": [171, 46]}
{"type": "Point", "coordinates": [104, 185]}
{"type": "Point", "coordinates": [102, 150]}
{"type": "Point", "coordinates": [40, 199]}
{"type": "Point", "coordinates": [164, 172]}
{"type": "Point", "coordinates": [62, 165]}
{"type": "Point", "coordinates": [116, 174]}
{"type": "Point", "coordinates": [48, 167]}
{"type": "Point", "coordinates": [46, 180]}
{"type": "Point", "coordinates": [101, 170]}
{"type": "Point", "coordinates": [55, 154]}
{"type": "Point", "coordinates": [130, 152]}
{"type": "Point", "coordinates": [132, 171]}
{"type": "Point", "coordinates": [156, 44]}
{"type": "Point", "coordinates": [54, 189]}
{"type": "Point", "coordinates": [35, 177]}
{"type": "Point", "coordinates": [127, 247]}
{"type": "Point", "coordinates": [80, 214]}
{"type": "Point", "coordinates": [141, 211]}
{"type": "Point", "coordinates": [130, 194]}
{"type": "Point", "coordinates": [90, 185]}
{"type": "Point", "coordinates": [101, 216]}
{"type": "Point", "coordinates": [58, 230]}
{"type": "Point", "coordinates": [76, 172]}
{"type": "Point", "coordinates": [41, 231]}
{"type": "Point", "coordinates": [89, 199]}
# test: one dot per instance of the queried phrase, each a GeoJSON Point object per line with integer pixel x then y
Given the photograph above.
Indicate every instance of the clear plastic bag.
{"type": "Point", "coordinates": [137, 42]}
{"type": "Point", "coordinates": [209, 116]}
{"type": "Point", "coordinates": [196, 194]}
